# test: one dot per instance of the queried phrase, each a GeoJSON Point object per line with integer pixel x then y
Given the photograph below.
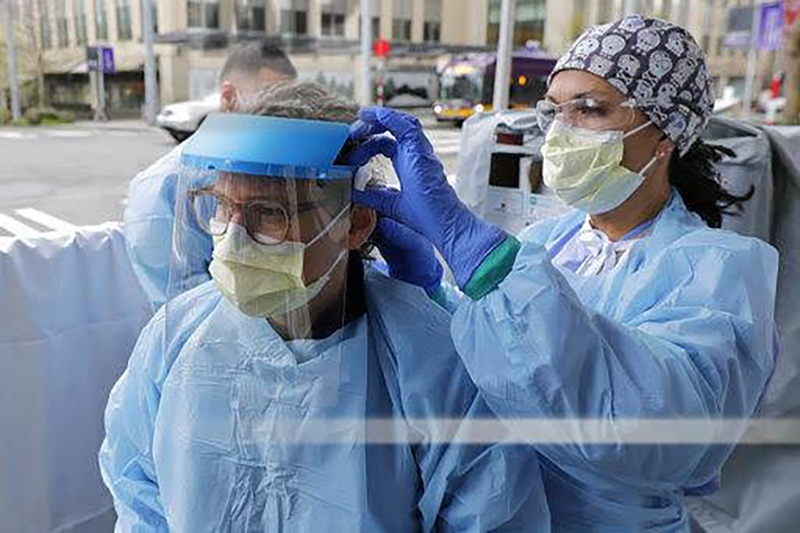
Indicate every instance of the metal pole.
{"type": "Point", "coordinates": [101, 87]}
{"type": "Point", "coordinates": [100, 113]}
{"type": "Point", "coordinates": [13, 82]}
{"type": "Point", "coordinates": [752, 59]}
{"type": "Point", "coordinates": [366, 53]}
{"type": "Point", "coordinates": [150, 83]}
{"type": "Point", "coordinates": [502, 75]}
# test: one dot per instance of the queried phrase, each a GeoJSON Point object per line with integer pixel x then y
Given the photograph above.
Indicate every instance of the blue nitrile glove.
{"type": "Point", "coordinates": [408, 254]}
{"type": "Point", "coordinates": [426, 203]}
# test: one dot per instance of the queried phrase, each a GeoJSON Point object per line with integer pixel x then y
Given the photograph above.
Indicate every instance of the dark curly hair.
{"type": "Point", "coordinates": [697, 179]}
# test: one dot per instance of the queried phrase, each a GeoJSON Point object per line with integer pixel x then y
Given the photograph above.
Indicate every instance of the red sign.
{"type": "Point", "coordinates": [382, 48]}
{"type": "Point", "coordinates": [791, 9]}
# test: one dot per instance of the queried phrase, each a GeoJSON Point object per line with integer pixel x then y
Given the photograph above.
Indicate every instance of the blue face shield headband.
{"type": "Point", "coordinates": [269, 146]}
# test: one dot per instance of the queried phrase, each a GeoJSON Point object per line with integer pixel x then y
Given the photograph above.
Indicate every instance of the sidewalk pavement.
{"type": "Point", "coordinates": [122, 124]}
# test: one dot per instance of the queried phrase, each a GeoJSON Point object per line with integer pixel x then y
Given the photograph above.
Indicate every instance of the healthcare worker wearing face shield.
{"type": "Point", "coordinates": [284, 395]}
{"type": "Point", "coordinates": [150, 206]}
{"type": "Point", "coordinates": [631, 308]}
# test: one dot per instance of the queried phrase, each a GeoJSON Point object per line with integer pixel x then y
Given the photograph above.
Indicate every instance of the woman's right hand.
{"type": "Point", "coordinates": [425, 203]}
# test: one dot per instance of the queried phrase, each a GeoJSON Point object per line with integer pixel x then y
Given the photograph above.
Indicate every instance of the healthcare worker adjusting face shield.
{"type": "Point", "coordinates": [280, 230]}
{"type": "Point", "coordinates": [299, 389]}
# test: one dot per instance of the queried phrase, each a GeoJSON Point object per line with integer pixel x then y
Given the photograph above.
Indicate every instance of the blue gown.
{"type": "Point", "coordinates": [200, 428]}
{"type": "Point", "coordinates": [149, 220]}
{"type": "Point", "coordinates": [682, 327]}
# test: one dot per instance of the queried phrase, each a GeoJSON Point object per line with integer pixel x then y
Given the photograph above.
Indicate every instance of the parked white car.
{"type": "Point", "coordinates": [183, 118]}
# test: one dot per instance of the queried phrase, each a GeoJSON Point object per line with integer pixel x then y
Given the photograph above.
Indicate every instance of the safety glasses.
{"type": "Point", "coordinates": [266, 221]}
{"type": "Point", "coordinates": [588, 113]}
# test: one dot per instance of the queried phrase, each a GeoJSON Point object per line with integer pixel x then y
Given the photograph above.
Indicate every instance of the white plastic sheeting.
{"type": "Point", "coordinates": [511, 208]}
{"type": "Point", "coordinates": [751, 167]}
{"type": "Point", "coordinates": [71, 312]}
{"type": "Point", "coordinates": [760, 490]}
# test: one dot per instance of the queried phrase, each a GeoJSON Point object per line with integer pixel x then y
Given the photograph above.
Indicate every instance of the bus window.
{"type": "Point", "coordinates": [527, 90]}
{"type": "Point", "coordinates": [460, 87]}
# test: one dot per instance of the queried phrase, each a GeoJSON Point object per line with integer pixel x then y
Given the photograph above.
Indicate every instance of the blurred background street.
{"type": "Point", "coordinates": [79, 173]}
{"type": "Point", "coordinates": [91, 93]}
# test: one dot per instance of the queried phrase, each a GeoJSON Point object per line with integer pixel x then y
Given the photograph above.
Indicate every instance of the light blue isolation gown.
{"type": "Point", "coordinates": [682, 327]}
{"type": "Point", "coordinates": [206, 429]}
{"type": "Point", "coordinates": [149, 220]}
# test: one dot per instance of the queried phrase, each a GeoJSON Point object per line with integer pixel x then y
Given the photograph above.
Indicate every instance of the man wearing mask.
{"type": "Point", "coordinates": [287, 394]}
{"type": "Point", "coordinates": [150, 210]}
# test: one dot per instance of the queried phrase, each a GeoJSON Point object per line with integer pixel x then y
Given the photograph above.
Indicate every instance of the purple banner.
{"type": "Point", "coordinates": [770, 28]}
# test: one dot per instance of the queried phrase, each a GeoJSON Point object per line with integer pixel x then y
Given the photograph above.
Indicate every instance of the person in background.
{"type": "Point", "coordinates": [150, 207]}
{"type": "Point", "coordinates": [631, 309]}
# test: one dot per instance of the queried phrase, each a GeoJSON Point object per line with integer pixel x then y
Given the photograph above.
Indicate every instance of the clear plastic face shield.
{"type": "Point", "coordinates": [285, 401]}
{"type": "Point", "coordinates": [273, 234]}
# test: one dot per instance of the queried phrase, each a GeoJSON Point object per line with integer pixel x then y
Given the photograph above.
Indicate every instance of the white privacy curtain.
{"type": "Point", "coordinates": [71, 312]}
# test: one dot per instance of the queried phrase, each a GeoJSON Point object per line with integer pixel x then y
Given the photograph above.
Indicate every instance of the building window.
{"type": "Point", "coordinates": [401, 29]}
{"type": "Point", "coordinates": [333, 24]}
{"type": "Point", "coordinates": [78, 9]}
{"type": "Point", "coordinates": [294, 22]}
{"type": "Point", "coordinates": [250, 15]}
{"type": "Point", "coordinates": [402, 13]}
{"type": "Point", "coordinates": [124, 20]}
{"type": "Point", "coordinates": [194, 11]}
{"type": "Point", "coordinates": [101, 20]}
{"type": "Point", "coordinates": [333, 15]}
{"type": "Point", "coordinates": [212, 13]}
{"type": "Point", "coordinates": [432, 27]}
{"type": "Point", "coordinates": [62, 24]}
{"type": "Point", "coordinates": [432, 32]}
{"type": "Point", "coordinates": [529, 26]}
{"type": "Point", "coordinates": [203, 13]}
{"type": "Point", "coordinates": [44, 25]}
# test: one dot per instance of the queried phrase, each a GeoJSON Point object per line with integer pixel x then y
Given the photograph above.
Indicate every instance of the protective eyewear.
{"type": "Point", "coordinates": [588, 113]}
{"type": "Point", "coordinates": [266, 221]}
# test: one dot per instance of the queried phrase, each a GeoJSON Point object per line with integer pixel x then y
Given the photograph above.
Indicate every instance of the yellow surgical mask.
{"type": "Point", "coordinates": [266, 280]}
{"type": "Point", "coordinates": [584, 167]}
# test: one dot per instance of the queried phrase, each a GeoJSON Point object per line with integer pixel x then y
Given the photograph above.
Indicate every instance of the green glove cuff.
{"type": "Point", "coordinates": [493, 269]}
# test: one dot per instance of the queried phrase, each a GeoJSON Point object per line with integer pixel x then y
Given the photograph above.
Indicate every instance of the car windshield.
{"type": "Point", "coordinates": [212, 99]}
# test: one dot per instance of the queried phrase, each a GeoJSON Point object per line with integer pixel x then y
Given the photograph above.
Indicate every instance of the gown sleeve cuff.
{"type": "Point", "coordinates": [493, 269]}
{"type": "Point", "coordinates": [438, 295]}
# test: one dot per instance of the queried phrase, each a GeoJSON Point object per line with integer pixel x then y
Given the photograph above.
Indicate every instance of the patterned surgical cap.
{"type": "Point", "coordinates": [654, 62]}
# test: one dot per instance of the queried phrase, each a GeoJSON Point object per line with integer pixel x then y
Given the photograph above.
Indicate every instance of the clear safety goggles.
{"type": "Point", "coordinates": [588, 113]}
{"type": "Point", "coordinates": [271, 210]}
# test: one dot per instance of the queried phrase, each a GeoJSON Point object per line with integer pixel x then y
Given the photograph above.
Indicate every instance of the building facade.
{"type": "Point", "coordinates": [192, 36]}
{"type": "Point", "coordinates": [321, 37]}
{"type": "Point", "coordinates": [707, 20]}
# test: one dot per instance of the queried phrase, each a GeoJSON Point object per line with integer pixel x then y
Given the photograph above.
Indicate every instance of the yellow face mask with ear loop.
{"type": "Point", "coordinates": [266, 280]}
{"type": "Point", "coordinates": [584, 168]}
